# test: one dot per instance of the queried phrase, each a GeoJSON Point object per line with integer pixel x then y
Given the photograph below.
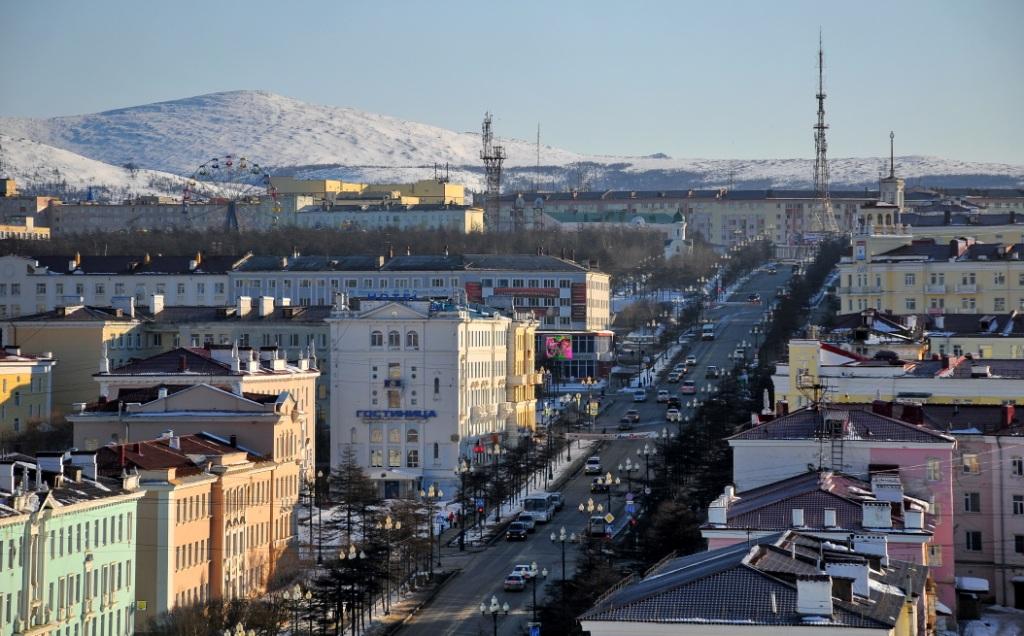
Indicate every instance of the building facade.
{"type": "Point", "coordinates": [415, 385]}
{"type": "Point", "coordinates": [26, 390]}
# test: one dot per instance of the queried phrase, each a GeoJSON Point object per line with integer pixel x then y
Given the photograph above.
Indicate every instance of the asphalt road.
{"type": "Point", "coordinates": [455, 610]}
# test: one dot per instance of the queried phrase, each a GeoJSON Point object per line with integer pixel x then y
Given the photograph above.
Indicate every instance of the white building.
{"type": "Point", "coordinates": [416, 384]}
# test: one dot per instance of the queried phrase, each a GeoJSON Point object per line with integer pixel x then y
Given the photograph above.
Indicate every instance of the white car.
{"type": "Point", "coordinates": [639, 395]}
{"type": "Point", "coordinates": [673, 415]}
{"type": "Point", "coordinates": [662, 396]}
{"type": "Point", "coordinates": [593, 466]}
{"type": "Point", "coordinates": [525, 571]}
{"type": "Point", "coordinates": [527, 520]}
{"type": "Point", "coordinates": [691, 361]}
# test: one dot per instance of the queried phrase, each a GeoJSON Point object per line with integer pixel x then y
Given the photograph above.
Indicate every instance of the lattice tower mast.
{"type": "Point", "coordinates": [824, 216]}
{"type": "Point", "coordinates": [493, 157]}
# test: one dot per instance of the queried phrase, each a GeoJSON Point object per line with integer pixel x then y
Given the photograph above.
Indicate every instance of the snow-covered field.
{"type": "Point", "coordinates": [312, 140]}
{"type": "Point", "coordinates": [996, 621]}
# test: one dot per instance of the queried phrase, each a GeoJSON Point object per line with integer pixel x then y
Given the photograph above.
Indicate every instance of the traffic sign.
{"type": "Point", "coordinates": [629, 496]}
{"type": "Point", "coordinates": [630, 507]}
{"type": "Point", "coordinates": [535, 630]}
{"type": "Point", "coordinates": [608, 518]}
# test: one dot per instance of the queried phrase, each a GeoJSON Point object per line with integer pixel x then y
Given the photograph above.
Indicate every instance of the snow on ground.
{"type": "Point", "coordinates": [996, 621]}
{"type": "Point", "coordinates": [320, 141]}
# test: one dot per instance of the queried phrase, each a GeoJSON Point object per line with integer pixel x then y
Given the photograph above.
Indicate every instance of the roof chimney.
{"type": "Point", "coordinates": [814, 595]}
{"type": "Point", "coordinates": [1006, 413]}
{"type": "Point", "coordinates": [913, 519]}
{"type": "Point", "coordinates": [876, 514]}
{"type": "Point", "coordinates": [86, 460]}
{"type": "Point", "coordinates": [243, 306]}
{"type": "Point", "coordinates": [857, 571]}
{"type": "Point", "coordinates": [876, 545]}
{"type": "Point", "coordinates": [156, 303]}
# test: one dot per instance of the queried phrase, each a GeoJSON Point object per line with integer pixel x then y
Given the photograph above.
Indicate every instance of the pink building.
{"type": "Point", "coordinates": [860, 443]}
{"type": "Point", "coordinates": [834, 507]}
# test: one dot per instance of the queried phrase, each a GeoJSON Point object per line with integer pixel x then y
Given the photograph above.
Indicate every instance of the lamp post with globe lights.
{"type": "Point", "coordinates": [462, 469]}
{"type": "Point", "coordinates": [536, 575]}
{"type": "Point", "coordinates": [628, 469]}
{"type": "Point", "coordinates": [647, 452]}
{"type": "Point", "coordinates": [353, 556]}
{"type": "Point", "coordinates": [494, 610]}
{"type": "Point", "coordinates": [561, 538]}
{"type": "Point", "coordinates": [387, 526]}
{"type": "Point", "coordinates": [431, 495]}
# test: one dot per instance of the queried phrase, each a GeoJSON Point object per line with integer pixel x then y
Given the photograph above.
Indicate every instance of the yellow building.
{"type": "Point", "coordinates": [78, 337]}
{"type": "Point", "coordinates": [25, 390]}
{"type": "Point", "coordinates": [522, 378]}
{"type": "Point", "coordinates": [926, 275]}
{"type": "Point", "coordinates": [8, 188]}
{"type": "Point", "coordinates": [24, 229]}
{"type": "Point", "coordinates": [818, 370]}
{"type": "Point", "coordinates": [426, 191]}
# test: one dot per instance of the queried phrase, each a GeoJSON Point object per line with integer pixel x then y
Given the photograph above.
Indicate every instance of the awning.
{"type": "Point", "coordinates": [971, 584]}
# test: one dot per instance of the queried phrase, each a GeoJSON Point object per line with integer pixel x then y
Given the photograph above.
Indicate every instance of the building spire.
{"type": "Point", "coordinates": [892, 156]}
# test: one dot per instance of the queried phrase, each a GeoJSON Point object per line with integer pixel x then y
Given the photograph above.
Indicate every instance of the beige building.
{"type": "Point", "coordinates": [403, 213]}
{"type": "Point", "coordinates": [427, 191]}
{"type": "Point", "coordinates": [24, 229]}
{"type": "Point", "coordinates": [26, 390]}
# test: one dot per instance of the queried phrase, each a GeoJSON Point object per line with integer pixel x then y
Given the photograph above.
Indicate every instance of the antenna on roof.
{"type": "Point", "coordinates": [892, 156]}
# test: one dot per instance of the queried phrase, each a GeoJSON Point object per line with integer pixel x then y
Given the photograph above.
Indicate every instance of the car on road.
{"type": "Point", "coordinates": [558, 499]}
{"type": "Point", "coordinates": [691, 361]}
{"type": "Point", "coordinates": [527, 520]}
{"type": "Point", "coordinates": [598, 485]}
{"type": "Point", "coordinates": [673, 403]}
{"type": "Point", "coordinates": [593, 466]}
{"type": "Point", "coordinates": [632, 416]}
{"type": "Point", "coordinates": [516, 531]}
{"type": "Point", "coordinates": [680, 368]}
{"type": "Point", "coordinates": [640, 395]}
{"type": "Point", "coordinates": [739, 353]}
{"type": "Point", "coordinates": [754, 298]}
{"type": "Point", "coordinates": [514, 583]}
{"type": "Point", "coordinates": [674, 377]}
{"type": "Point", "coordinates": [662, 396]}
{"type": "Point", "coordinates": [713, 372]}
{"type": "Point", "coordinates": [688, 387]}
{"type": "Point", "coordinates": [525, 571]}
{"type": "Point", "coordinates": [772, 269]}
{"type": "Point", "coordinates": [673, 415]}
{"type": "Point", "coordinates": [597, 527]}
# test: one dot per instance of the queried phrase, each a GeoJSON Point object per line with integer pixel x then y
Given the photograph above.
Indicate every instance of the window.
{"type": "Point", "coordinates": [968, 303]}
{"type": "Point", "coordinates": [1017, 466]}
{"type": "Point", "coordinates": [1018, 504]}
{"type": "Point", "coordinates": [412, 340]}
{"type": "Point", "coordinates": [911, 304]}
{"type": "Point", "coordinates": [412, 436]}
{"type": "Point", "coordinates": [999, 278]}
{"type": "Point", "coordinates": [394, 399]}
{"type": "Point", "coordinates": [394, 436]}
{"type": "Point", "coordinates": [437, 451]}
{"type": "Point", "coordinates": [218, 288]}
{"type": "Point", "coordinates": [972, 502]}
{"type": "Point", "coordinates": [999, 304]}
{"type": "Point", "coordinates": [1018, 543]}
{"type": "Point", "coordinates": [412, 459]}
{"type": "Point", "coordinates": [437, 386]}
{"type": "Point", "coordinates": [376, 436]}
{"type": "Point", "coordinates": [971, 464]}
{"type": "Point", "coordinates": [15, 289]}
{"type": "Point", "coordinates": [394, 340]}
{"type": "Point", "coordinates": [376, 458]}
{"type": "Point", "coordinates": [40, 288]}
{"type": "Point", "coordinates": [376, 339]}
{"type": "Point", "coordinates": [394, 458]}
{"type": "Point", "coordinates": [909, 280]}
{"type": "Point", "coordinates": [972, 540]}
{"type": "Point", "coordinates": [967, 278]}
{"type": "Point", "coordinates": [934, 469]}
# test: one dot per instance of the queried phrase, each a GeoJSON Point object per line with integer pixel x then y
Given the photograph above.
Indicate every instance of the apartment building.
{"type": "Point", "coordinates": [828, 505]}
{"type": "Point", "coordinates": [23, 229]}
{"type": "Point", "coordinates": [788, 582]}
{"type": "Point", "coordinates": [858, 443]}
{"type": "Point", "coordinates": [212, 509]}
{"type": "Point", "coordinates": [68, 539]}
{"type": "Point", "coordinates": [818, 370]}
{"type": "Point", "coordinates": [562, 294]}
{"type": "Point", "coordinates": [925, 275]}
{"type": "Point", "coordinates": [375, 215]}
{"type": "Point", "coordinates": [417, 385]}
{"type": "Point", "coordinates": [26, 390]}
{"type": "Point", "coordinates": [432, 191]}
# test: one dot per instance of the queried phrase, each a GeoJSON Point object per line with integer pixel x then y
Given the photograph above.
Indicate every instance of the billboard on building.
{"type": "Point", "coordinates": [558, 347]}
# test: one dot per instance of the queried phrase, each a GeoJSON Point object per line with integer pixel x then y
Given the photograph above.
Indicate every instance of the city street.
{"type": "Point", "coordinates": [455, 610]}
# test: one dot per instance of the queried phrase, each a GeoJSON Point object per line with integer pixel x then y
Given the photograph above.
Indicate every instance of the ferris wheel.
{"type": "Point", "coordinates": [229, 180]}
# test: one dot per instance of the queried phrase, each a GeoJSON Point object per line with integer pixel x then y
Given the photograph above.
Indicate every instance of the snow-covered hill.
{"type": "Point", "coordinates": [42, 169]}
{"type": "Point", "coordinates": [289, 136]}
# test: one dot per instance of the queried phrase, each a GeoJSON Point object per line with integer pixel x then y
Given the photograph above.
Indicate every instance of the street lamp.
{"type": "Point", "coordinates": [494, 610]}
{"type": "Point", "coordinates": [589, 382]}
{"type": "Point", "coordinates": [628, 469]}
{"type": "Point", "coordinates": [550, 474]}
{"type": "Point", "coordinates": [543, 573]}
{"type": "Point", "coordinates": [609, 482]}
{"type": "Point", "coordinates": [462, 469]}
{"type": "Point", "coordinates": [319, 518]}
{"type": "Point", "coordinates": [647, 452]}
{"type": "Point", "coordinates": [239, 630]}
{"type": "Point", "coordinates": [294, 598]}
{"type": "Point", "coordinates": [430, 495]}
{"type": "Point", "coordinates": [354, 556]}
{"type": "Point", "coordinates": [562, 537]}
{"type": "Point", "coordinates": [387, 526]}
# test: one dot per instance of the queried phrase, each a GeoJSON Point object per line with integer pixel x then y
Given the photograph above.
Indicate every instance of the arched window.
{"type": "Point", "coordinates": [412, 340]}
{"type": "Point", "coordinates": [352, 435]}
{"type": "Point", "coordinates": [394, 436]}
{"type": "Point", "coordinates": [437, 451]}
{"type": "Point", "coordinates": [412, 436]}
{"type": "Point", "coordinates": [888, 219]}
{"type": "Point", "coordinates": [394, 458]}
{"type": "Point", "coordinates": [437, 386]}
{"type": "Point", "coordinates": [412, 459]}
{"type": "Point", "coordinates": [376, 458]}
{"type": "Point", "coordinates": [376, 339]}
{"type": "Point", "coordinates": [394, 340]}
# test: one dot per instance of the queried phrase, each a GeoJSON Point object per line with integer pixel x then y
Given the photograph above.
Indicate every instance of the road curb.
{"type": "Point", "coordinates": [394, 627]}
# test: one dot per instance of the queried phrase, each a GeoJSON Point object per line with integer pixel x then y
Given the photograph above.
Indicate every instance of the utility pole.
{"type": "Point", "coordinates": [493, 157]}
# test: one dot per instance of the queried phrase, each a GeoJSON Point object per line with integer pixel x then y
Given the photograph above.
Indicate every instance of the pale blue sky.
{"type": "Point", "coordinates": [730, 79]}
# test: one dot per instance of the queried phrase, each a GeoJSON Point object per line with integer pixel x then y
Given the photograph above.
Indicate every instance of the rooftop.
{"type": "Point", "coordinates": [853, 424]}
{"type": "Point", "coordinates": [53, 483]}
{"type": "Point", "coordinates": [412, 262]}
{"type": "Point", "coordinates": [139, 264]}
{"type": "Point", "coordinates": [188, 454]}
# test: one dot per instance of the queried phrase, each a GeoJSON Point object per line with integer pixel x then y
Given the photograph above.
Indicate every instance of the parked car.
{"type": "Point", "coordinates": [662, 396]}
{"type": "Point", "coordinates": [597, 527]}
{"type": "Point", "coordinates": [689, 387]}
{"type": "Point", "coordinates": [593, 466]}
{"type": "Point", "coordinates": [631, 416]}
{"type": "Point", "coordinates": [673, 415]}
{"type": "Point", "coordinates": [691, 361]}
{"type": "Point", "coordinates": [524, 570]}
{"type": "Point", "coordinates": [527, 520]}
{"type": "Point", "coordinates": [673, 377]}
{"type": "Point", "coordinates": [598, 485]}
{"type": "Point", "coordinates": [673, 403]}
{"type": "Point", "coordinates": [558, 499]}
{"type": "Point", "coordinates": [712, 372]}
{"type": "Point", "coordinates": [640, 395]}
{"type": "Point", "coordinates": [516, 531]}
{"type": "Point", "coordinates": [514, 583]}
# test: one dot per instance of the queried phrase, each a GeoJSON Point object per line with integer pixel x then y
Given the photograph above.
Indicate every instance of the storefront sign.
{"type": "Point", "coordinates": [404, 294]}
{"type": "Point", "coordinates": [395, 414]}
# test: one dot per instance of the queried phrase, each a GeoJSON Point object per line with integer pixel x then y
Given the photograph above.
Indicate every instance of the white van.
{"type": "Point", "coordinates": [640, 395]}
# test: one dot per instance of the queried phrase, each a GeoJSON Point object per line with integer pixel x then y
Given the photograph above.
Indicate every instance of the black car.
{"type": "Point", "coordinates": [673, 403]}
{"type": "Point", "coordinates": [598, 485]}
{"type": "Point", "coordinates": [754, 298]}
{"type": "Point", "coordinates": [516, 532]}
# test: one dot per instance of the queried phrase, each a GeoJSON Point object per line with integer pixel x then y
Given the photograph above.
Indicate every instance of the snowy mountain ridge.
{"type": "Point", "coordinates": [290, 136]}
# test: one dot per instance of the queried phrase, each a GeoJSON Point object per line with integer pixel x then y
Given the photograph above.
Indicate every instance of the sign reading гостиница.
{"type": "Point", "coordinates": [397, 414]}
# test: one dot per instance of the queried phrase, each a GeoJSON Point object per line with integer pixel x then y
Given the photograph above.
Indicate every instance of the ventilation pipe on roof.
{"type": "Point", "coordinates": [814, 595]}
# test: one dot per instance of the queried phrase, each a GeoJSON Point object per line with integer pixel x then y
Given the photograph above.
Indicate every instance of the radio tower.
{"type": "Point", "coordinates": [824, 217]}
{"type": "Point", "coordinates": [493, 156]}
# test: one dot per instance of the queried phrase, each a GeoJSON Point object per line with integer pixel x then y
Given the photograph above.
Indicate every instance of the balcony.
{"type": "Point", "coordinates": [935, 289]}
{"type": "Point", "coordinates": [967, 288]}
